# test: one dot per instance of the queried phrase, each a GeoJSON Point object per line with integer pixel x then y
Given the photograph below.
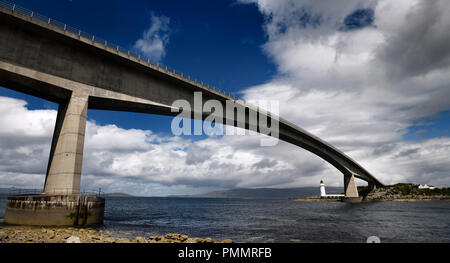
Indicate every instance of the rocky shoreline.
{"type": "Point", "coordinates": [31, 234]}
{"type": "Point", "coordinates": [401, 192]}
{"type": "Point", "coordinates": [406, 198]}
{"type": "Point", "coordinates": [316, 198]}
{"type": "Point", "coordinates": [381, 198]}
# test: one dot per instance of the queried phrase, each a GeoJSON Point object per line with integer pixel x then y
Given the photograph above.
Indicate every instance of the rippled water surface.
{"type": "Point", "coordinates": [262, 220]}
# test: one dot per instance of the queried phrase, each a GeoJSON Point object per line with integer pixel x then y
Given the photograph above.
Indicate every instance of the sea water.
{"type": "Point", "coordinates": [276, 220]}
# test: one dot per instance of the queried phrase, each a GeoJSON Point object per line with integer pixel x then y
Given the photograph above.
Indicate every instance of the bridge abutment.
{"type": "Point", "coordinates": [372, 186]}
{"type": "Point", "coordinates": [54, 210]}
{"type": "Point", "coordinates": [350, 186]}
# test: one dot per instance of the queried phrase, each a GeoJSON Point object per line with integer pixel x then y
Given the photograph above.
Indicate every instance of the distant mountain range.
{"type": "Point", "coordinates": [16, 191]}
{"type": "Point", "coordinates": [265, 193]}
{"type": "Point", "coordinates": [119, 194]}
{"type": "Point", "coordinates": [252, 193]}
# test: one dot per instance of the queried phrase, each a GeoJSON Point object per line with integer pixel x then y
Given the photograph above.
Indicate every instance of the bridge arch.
{"type": "Point", "coordinates": [49, 61]}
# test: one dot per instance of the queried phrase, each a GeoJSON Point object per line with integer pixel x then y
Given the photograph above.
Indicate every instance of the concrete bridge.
{"type": "Point", "coordinates": [50, 60]}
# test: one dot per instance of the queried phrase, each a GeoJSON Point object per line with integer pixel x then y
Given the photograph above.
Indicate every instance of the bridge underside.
{"type": "Point", "coordinates": [65, 162]}
{"type": "Point", "coordinates": [66, 155]}
{"type": "Point", "coordinates": [57, 65]}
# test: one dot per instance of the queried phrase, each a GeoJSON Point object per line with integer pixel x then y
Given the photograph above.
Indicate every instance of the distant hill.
{"type": "Point", "coordinates": [14, 191]}
{"type": "Point", "coordinates": [265, 193]}
{"type": "Point", "coordinates": [119, 195]}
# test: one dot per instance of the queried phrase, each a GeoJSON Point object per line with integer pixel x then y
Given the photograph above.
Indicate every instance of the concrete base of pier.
{"type": "Point", "coordinates": [54, 210]}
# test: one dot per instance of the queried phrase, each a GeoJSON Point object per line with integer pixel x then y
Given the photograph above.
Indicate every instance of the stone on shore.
{"type": "Point", "coordinates": [72, 239]}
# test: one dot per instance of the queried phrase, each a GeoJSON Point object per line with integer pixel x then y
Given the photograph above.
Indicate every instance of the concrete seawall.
{"type": "Point", "coordinates": [54, 210]}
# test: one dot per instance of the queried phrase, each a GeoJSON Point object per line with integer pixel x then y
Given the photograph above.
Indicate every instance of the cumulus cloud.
{"type": "Point", "coordinates": [154, 40]}
{"type": "Point", "coordinates": [24, 142]}
{"type": "Point", "coordinates": [421, 45]}
{"type": "Point", "coordinates": [145, 163]}
{"type": "Point", "coordinates": [360, 88]}
{"type": "Point", "coordinates": [138, 161]}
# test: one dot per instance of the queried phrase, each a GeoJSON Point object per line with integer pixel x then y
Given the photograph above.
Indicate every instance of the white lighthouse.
{"type": "Point", "coordinates": [323, 194]}
{"type": "Point", "coordinates": [322, 189]}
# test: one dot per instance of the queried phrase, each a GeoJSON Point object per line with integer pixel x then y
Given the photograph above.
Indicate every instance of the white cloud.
{"type": "Point", "coordinates": [344, 86]}
{"type": "Point", "coordinates": [145, 163]}
{"type": "Point", "coordinates": [138, 161]}
{"type": "Point", "coordinates": [361, 89]}
{"type": "Point", "coordinates": [154, 40]}
{"type": "Point", "coordinates": [25, 138]}
{"type": "Point", "coordinates": [420, 46]}
{"type": "Point", "coordinates": [38, 123]}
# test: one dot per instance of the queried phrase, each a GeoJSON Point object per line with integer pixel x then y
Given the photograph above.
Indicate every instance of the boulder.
{"type": "Point", "coordinates": [73, 239]}
{"type": "Point", "coordinates": [3, 236]}
{"type": "Point", "coordinates": [141, 240]}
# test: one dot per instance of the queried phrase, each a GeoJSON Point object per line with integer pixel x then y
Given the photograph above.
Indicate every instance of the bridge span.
{"type": "Point", "coordinates": [48, 59]}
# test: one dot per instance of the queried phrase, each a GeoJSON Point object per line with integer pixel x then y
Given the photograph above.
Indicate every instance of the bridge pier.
{"type": "Point", "coordinates": [350, 186]}
{"type": "Point", "coordinates": [61, 202]}
{"type": "Point", "coordinates": [350, 189]}
{"type": "Point", "coordinates": [66, 154]}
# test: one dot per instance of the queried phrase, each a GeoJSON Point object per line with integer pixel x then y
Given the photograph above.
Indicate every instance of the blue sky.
{"type": "Point", "coordinates": [358, 74]}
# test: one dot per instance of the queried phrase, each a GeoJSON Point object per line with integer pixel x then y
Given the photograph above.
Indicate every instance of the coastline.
{"type": "Point", "coordinates": [393, 198]}
{"type": "Point", "coordinates": [401, 192]}
{"type": "Point", "coordinates": [316, 198]}
{"type": "Point", "coordinates": [412, 198]}
{"type": "Point", "coordinates": [36, 234]}
{"type": "Point", "coordinates": [306, 199]}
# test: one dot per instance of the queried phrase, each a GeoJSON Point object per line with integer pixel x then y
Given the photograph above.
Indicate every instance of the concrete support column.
{"type": "Point", "coordinates": [350, 186]}
{"type": "Point", "coordinates": [66, 154]}
{"type": "Point", "coordinates": [372, 186]}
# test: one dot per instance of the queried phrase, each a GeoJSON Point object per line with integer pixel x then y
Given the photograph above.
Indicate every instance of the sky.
{"type": "Point", "coordinates": [370, 77]}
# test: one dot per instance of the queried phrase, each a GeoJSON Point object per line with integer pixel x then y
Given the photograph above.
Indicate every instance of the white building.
{"type": "Point", "coordinates": [323, 193]}
{"type": "Point", "coordinates": [322, 189]}
{"type": "Point", "coordinates": [426, 186]}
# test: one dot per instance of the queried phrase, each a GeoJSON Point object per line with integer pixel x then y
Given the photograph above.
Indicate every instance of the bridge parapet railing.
{"type": "Point", "coordinates": [140, 57]}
